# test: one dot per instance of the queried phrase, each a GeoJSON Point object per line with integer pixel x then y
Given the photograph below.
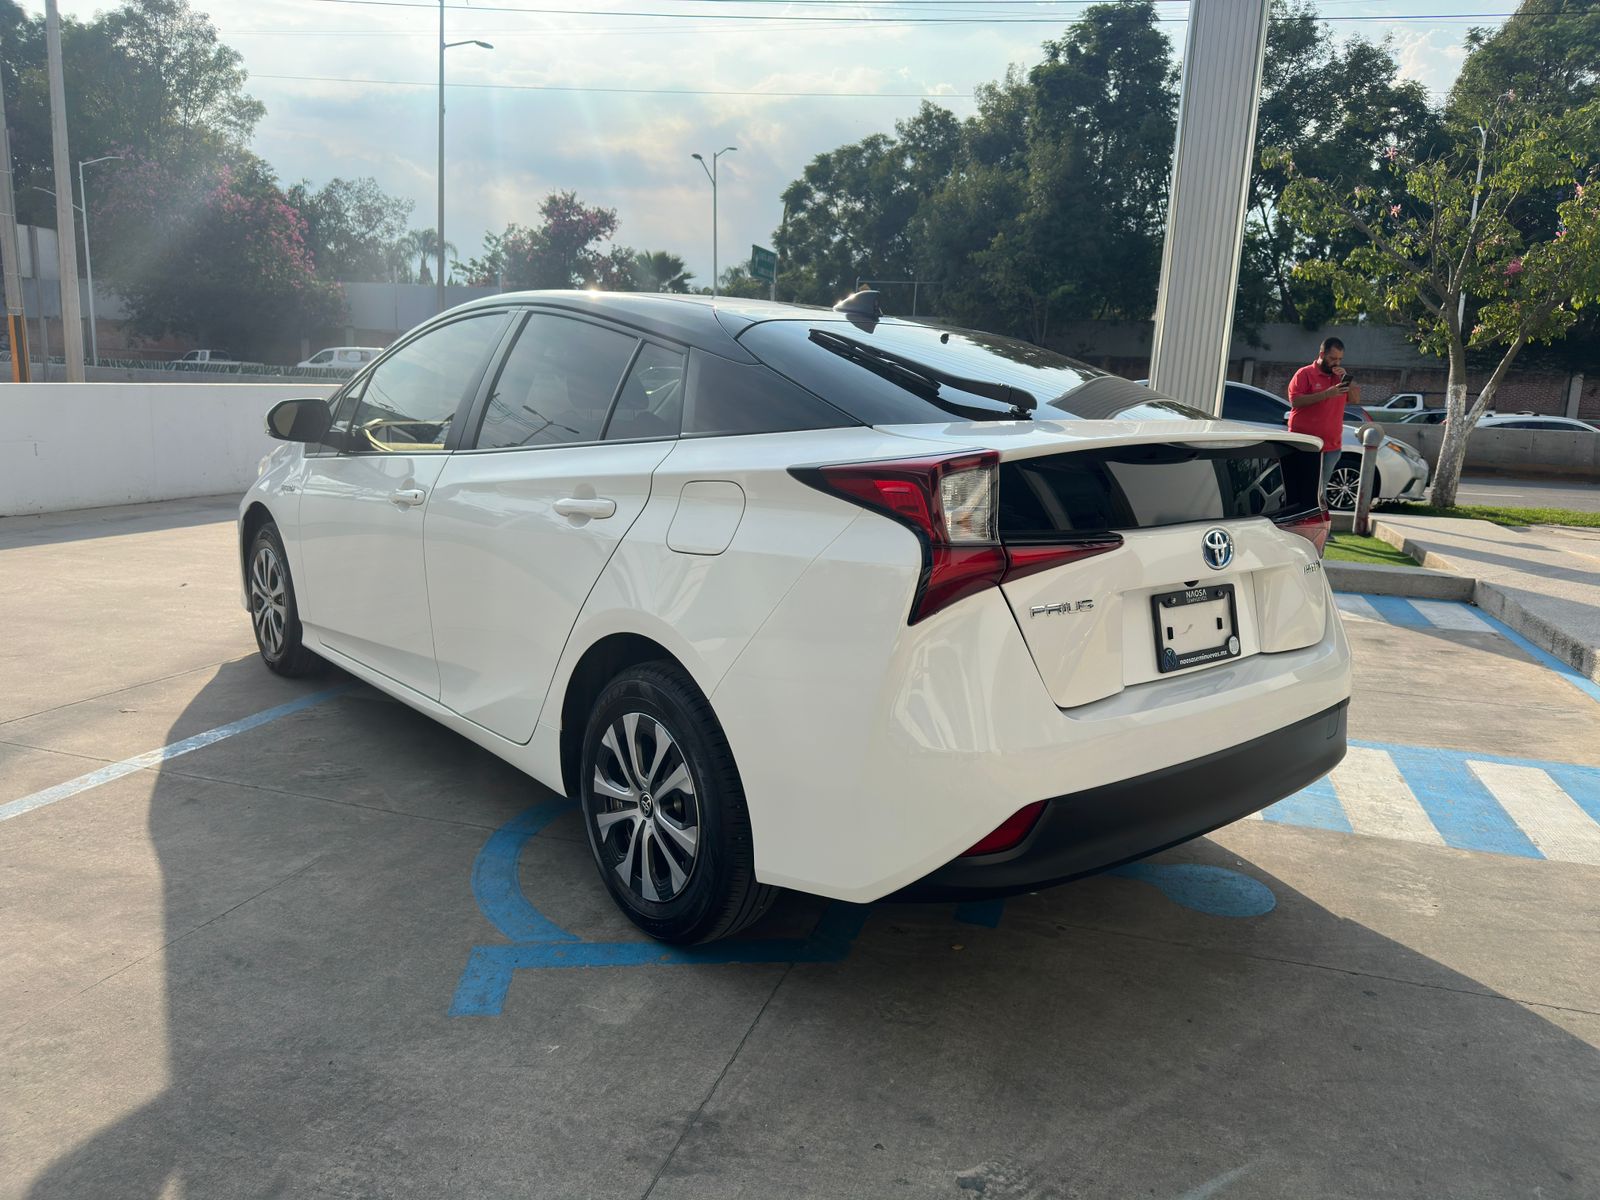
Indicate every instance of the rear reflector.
{"type": "Point", "coordinates": [1010, 832]}
{"type": "Point", "coordinates": [1312, 526]}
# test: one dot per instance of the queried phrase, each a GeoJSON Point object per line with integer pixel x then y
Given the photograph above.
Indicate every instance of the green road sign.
{"type": "Point", "coordinates": [763, 264]}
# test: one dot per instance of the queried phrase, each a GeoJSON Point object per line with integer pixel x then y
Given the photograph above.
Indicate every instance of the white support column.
{"type": "Point", "coordinates": [1206, 207]}
{"type": "Point", "coordinates": [1574, 394]}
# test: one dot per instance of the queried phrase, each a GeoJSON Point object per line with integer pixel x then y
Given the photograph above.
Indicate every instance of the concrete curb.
{"type": "Point", "coordinates": [1500, 603]}
{"type": "Point", "coordinates": [1380, 579]}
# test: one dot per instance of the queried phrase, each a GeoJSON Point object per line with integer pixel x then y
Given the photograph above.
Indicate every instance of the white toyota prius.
{"type": "Point", "coordinates": [797, 598]}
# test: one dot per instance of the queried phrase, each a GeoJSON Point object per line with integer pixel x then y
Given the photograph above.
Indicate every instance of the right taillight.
{"type": "Point", "coordinates": [952, 505]}
{"type": "Point", "coordinates": [1313, 526]}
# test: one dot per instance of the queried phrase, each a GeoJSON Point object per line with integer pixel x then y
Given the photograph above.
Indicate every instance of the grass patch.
{"type": "Point", "coordinates": [1347, 547]}
{"type": "Point", "coordinates": [1496, 514]}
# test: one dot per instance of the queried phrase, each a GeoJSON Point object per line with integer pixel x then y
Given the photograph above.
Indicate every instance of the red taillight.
{"type": "Point", "coordinates": [951, 504]}
{"type": "Point", "coordinates": [1010, 832]}
{"type": "Point", "coordinates": [1311, 526]}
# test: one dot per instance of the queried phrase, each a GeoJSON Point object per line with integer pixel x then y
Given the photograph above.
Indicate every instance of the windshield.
{"type": "Point", "coordinates": [902, 373]}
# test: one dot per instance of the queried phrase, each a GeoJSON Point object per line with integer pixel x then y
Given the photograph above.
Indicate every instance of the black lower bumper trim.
{"type": "Point", "coordinates": [1089, 831]}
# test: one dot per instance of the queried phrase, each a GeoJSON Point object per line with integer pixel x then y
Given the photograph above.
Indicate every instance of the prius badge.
{"type": "Point", "coordinates": [1217, 548]}
{"type": "Point", "coordinates": [1066, 606]}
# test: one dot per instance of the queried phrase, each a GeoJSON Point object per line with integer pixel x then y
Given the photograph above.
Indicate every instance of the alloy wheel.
{"type": "Point", "coordinates": [1342, 487]}
{"type": "Point", "coordinates": [646, 813]}
{"type": "Point", "coordinates": [268, 600]}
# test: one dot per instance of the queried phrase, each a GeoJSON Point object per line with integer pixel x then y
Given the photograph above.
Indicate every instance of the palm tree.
{"type": "Point", "coordinates": [423, 245]}
{"type": "Point", "coordinates": [658, 271]}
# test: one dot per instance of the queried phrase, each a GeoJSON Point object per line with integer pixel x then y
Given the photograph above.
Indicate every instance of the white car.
{"type": "Point", "coordinates": [790, 598]}
{"type": "Point", "coordinates": [1402, 473]}
{"type": "Point", "coordinates": [347, 358]}
{"type": "Point", "coordinates": [1535, 421]}
{"type": "Point", "coordinates": [209, 358]}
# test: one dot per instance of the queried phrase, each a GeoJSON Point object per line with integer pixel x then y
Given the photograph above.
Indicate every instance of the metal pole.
{"type": "Point", "coordinates": [16, 316]}
{"type": "Point", "coordinates": [1371, 439]}
{"type": "Point", "coordinates": [716, 279]}
{"type": "Point", "coordinates": [439, 282]}
{"type": "Point", "coordinates": [66, 224]}
{"type": "Point", "coordinates": [88, 270]}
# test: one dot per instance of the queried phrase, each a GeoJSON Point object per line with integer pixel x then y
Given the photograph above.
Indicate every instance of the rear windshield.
{"type": "Point", "coordinates": [834, 359]}
{"type": "Point", "coordinates": [1147, 486]}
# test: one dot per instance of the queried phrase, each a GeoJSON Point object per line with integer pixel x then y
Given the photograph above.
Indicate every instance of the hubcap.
{"type": "Point", "coordinates": [646, 814]}
{"type": "Point", "coordinates": [1342, 486]}
{"type": "Point", "coordinates": [268, 601]}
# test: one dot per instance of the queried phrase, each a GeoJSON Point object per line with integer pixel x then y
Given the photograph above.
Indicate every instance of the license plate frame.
{"type": "Point", "coordinates": [1168, 658]}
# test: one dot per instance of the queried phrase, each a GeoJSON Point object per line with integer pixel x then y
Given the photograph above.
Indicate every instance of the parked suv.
{"type": "Point", "coordinates": [792, 598]}
{"type": "Point", "coordinates": [347, 358]}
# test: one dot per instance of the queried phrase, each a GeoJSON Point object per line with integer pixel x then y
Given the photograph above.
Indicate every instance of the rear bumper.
{"type": "Point", "coordinates": [1089, 831]}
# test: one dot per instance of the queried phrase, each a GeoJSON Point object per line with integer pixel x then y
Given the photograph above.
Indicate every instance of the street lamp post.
{"type": "Point", "coordinates": [88, 261]}
{"type": "Point", "coordinates": [439, 231]}
{"type": "Point", "coordinates": [711, 174]}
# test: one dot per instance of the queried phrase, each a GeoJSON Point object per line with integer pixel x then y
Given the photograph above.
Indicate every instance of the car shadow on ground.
{"type": "Point", "coordinates": [316, 881]}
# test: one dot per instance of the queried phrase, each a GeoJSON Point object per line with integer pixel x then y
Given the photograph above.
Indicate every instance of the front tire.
{"type": "Point", "coordinates": [1344, 484]}
{"type": "Point", "coordinates": [274, 614]}
{"type": "Point", "coordinates": [665, 811]}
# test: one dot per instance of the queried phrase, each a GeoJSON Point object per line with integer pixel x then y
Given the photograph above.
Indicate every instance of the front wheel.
{"type": "Point", "coordinates": [1344, 484]}
{"type": "Point", "coordinates": [274, 614]}
{"type": "Point", "coordinates": [665, 811]}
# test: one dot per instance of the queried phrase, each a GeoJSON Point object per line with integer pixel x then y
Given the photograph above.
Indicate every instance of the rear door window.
{"type": "Point", "coordinates": [650, 404]}
{"type": "Point", "coordinates": [556, 384]}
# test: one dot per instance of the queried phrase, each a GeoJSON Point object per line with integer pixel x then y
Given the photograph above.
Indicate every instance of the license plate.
{"type": "Point", "coordinates": [1194, 626]}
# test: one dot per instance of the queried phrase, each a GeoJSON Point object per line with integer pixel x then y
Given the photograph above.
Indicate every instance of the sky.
{"type": "Point", "coordinates": [532, 115]}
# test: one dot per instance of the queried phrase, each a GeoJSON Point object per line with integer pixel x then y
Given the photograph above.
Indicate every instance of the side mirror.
{"type": "Point", "coordinates": [299, 420]}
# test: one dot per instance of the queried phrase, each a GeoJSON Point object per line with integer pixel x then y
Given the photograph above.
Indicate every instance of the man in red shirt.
{"type": "Point", "coordinates": [1317, 396]}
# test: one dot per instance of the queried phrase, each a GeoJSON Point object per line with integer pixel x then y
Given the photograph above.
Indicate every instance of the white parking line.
{"type": "Point", "coordinates": [1445, 615]}
{"type": "Point", "coordinates": [1377, 799]}
{"type": "Point", "coordinates": [1356, 608]}
{"type": "Point", "coordinates": [1551, 818]}
{"type": "Point", "coordinates": [152, 758]}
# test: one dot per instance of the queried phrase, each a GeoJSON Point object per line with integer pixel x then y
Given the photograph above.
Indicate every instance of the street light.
{"type": "Point", "coordinates": [443, 46]}
{"type": "Point", "coordinates": [711, 174]}
{"type": "Point", "coordinates": [88, 263]}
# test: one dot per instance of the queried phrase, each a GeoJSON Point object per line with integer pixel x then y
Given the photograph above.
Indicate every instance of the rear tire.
{"type": "Point", "coordinates": [665, 811]}
{"type": "Point", "coordinates": [1344, 483]}
{"type": "Point", "coordinates": [274, 615]}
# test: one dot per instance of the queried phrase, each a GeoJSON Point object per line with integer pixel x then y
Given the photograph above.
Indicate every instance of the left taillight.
{"type": "Point", "coordinates": [949, 503]}
{"type": "Point", "coordinates": [952, 505]}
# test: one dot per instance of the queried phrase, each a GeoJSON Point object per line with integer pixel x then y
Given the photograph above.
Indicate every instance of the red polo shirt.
{"type": "Point", "coordinates": [1325, 418]}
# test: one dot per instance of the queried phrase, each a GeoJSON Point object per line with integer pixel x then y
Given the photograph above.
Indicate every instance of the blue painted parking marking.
{"type": "Point", "coordinates": [535, 942]}
{"type": "Point", "coordinates": [1397, 611]}
{"type": "Point", "coordinates": [1538, 809]}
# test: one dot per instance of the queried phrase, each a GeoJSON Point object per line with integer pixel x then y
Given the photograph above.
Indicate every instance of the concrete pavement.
{"type": "Point", "coordinates": [1543, 581]}
{"type": "Point", "coordinates": [231, 973]}
{"type": "Point", "coordinates": [1530, 493]}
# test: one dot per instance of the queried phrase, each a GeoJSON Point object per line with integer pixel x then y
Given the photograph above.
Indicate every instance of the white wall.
{"type": "Point", "coordinates": [87, 445]}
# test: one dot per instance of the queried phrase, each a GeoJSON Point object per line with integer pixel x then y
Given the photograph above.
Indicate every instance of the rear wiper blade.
{"type": "Point", "coordinates": [888, 364]}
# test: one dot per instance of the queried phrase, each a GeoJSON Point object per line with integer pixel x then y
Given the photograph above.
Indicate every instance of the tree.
{"type": "Point", "coordinates": [1547, 54]}
{"type": "Point", "coordinates": [423, 245]}
{"type": "Point", "coordinates": [149, 79]}
{"type": "Point", "coordinates": [1416, 257]}
{"type": "Point", "coordinates": [559, 253]}
{"type": "Point", "coordinates": [850, 212]}
{"type": "Point", "coordinates": [1330, 107]}
{"type": "Point", "coordinates": [352, 226]}
{"type": "Point", "coordinates": [221, 257]}
{"type": "Point", "coordinates": [658, 271]}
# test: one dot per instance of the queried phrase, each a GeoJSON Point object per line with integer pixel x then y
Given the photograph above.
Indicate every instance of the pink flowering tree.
{"type": "Point", "coordinates": [219, 256]}
{"type": "Point", "coordinates": [562, 252]}
{"type": "Point", "coordinates": [1494, 276]}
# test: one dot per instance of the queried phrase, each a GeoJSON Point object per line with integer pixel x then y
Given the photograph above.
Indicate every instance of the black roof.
{"type": "Point", "coordinates": [703, 321]}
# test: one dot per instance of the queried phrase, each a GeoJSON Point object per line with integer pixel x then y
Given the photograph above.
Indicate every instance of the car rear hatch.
{"type": "Point", "coordinates": [1139, 551]}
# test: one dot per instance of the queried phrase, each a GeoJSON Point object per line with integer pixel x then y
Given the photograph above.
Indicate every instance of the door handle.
{"type": "Point", "coordinates": [599, 509]}
{"type": "Point", "coordinates": [407, 497]}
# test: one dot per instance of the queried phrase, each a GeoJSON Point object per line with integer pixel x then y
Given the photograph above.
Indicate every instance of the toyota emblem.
{"type": "Point", "coordinates": [1217, 548]}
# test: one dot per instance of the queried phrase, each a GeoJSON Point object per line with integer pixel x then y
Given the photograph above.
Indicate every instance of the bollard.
{"type": "Point", "coordinates": [1371, 439]}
